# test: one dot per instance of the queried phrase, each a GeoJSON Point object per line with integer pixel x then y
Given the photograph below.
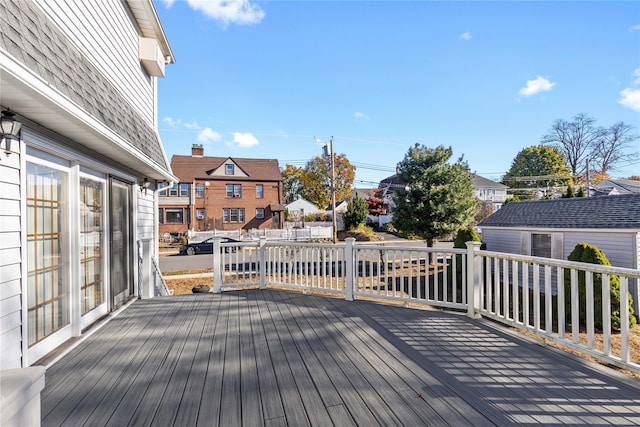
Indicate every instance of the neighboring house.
{"type": "Point", "coordinates": [300, 208]}
{"type": "Point", "coordinates": [552, 228]}
{"type": "Point", "coordinates": [489, 191]}
{"type": "Point", "coordinates": [77, 186]}
{"type": "Point", "coordinates": [615, 187]}
{"type": "Point", "coordinates": [221, 193]}
{"type": "Point", "coordinates": [364, 193]}
{"type": "Point", "coordinates": [483, 189]}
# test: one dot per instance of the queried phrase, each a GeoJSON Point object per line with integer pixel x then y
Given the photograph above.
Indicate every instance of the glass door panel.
{"type": "Point", "coordinates": [120, 243]}
{"type": "Point", "coordinates": [92, 288]}
{"type": "Point", "coordinates": [47, 287]}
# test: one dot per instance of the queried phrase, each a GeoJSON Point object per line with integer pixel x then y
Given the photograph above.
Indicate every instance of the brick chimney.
{"type": "Point", "coordinates": [197, 150]}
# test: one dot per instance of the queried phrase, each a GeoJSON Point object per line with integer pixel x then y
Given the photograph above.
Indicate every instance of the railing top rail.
{"type": "Point", "coordinates": [304, 245]}
{"type": "Point", "coordinates": [595, 268]}
{"type": "Point", "coordinates": [408, 248]}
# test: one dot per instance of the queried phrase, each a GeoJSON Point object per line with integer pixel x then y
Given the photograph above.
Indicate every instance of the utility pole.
{"type": "Point", "coordinates": [328, 152]}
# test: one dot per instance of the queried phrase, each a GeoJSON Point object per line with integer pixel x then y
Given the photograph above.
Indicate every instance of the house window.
{"type": "Point", "coordinates": [259, 191]}
{"type": "Point", "coordinates": [259, 213]}
{"type": "Point", "coordinates": [233, 215]}
{"type": "Point", "coordinates": [174, 215]}
{"type": "Point", "coordinates": [541, 245]}
{"type": "Point", "coordinates": [228, 169]}
{"type": "Point", "coordinates": [234, 190]}
{"type": "Point", "coordinates": [163, 193]}
{"type": "Point", "coordinates": [174, 190]}
{"type": "Point", "coordinates": [184, 190]}
{"type": "Point", "coordinates": [161, 215]}
{"type": "Point", "coordinates": [200, 190]}
{"type": "Point", "coordinates": [200, 213]}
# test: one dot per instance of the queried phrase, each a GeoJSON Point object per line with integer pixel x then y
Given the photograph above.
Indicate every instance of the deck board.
{"type": "Point", "coordinates": [278, 358]}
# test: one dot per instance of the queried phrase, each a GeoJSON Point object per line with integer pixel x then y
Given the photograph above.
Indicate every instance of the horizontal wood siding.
{"type": "Point", "coordinates": [105, 33]}
{"type": "Point", "coordinates": [11, 263]}
{"type": "Point", "coordinates": [502, 240]}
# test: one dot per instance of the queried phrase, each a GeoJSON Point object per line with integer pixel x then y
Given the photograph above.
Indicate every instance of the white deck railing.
{"type": "Point", "coordinates": [521, 291]}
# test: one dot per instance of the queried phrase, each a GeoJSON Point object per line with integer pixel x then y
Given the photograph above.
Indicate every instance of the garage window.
{"type": "Point", "coordinates": [541, 245]}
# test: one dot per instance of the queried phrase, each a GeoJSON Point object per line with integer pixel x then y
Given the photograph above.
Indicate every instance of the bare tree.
{"type": "Point", "coordinates": [610, 149]}
{"type": "Point", "coordinates": [575, 139]}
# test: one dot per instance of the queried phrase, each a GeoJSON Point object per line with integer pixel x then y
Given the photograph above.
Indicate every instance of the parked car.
{"type": "Point", "coordinates": [206, 246]}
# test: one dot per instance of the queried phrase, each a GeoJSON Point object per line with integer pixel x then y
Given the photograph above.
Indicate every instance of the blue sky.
{"type": "Point", "coordinates": [265, 79]}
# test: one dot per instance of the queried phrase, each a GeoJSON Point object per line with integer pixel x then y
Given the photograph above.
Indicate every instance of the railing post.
{"type": "Point", "coordinates": [349, 261]}
{"type": "Point", "coordinates": [474, 275]}
{"type": "Point", "coordinates": [145, 284]}
{"type": "Point", "coordinates": [218, 268]}
{"type": "Point", "coordinates": [262, 257]}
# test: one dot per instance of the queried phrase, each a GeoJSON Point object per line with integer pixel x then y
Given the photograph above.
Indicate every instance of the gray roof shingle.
{"type": "Point", "coordinates": [27, 34]}
{"type": "Point", "coordinates": [621, 212]}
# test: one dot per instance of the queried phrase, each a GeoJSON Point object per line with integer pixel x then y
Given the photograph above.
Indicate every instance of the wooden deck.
{"type": "Point", "coordinates": [277, 358]}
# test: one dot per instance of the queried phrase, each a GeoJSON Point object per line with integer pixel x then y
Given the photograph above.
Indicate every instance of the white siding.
{"type": "Point", "coordinates": [618, 247]}
{"type": "Point", "coordinates": [146, 215]}
{"type": "Point", "coordinates": [105, 33]}
{"type": "Point", "coordinates": [502, 240]}
{"type": "Point", "coordinates": [11, 259]}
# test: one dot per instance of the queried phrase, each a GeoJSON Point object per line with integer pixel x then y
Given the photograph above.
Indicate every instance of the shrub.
{"type": "Point", "coordinates": [465, 235]}
{"type": "Point", "coordinates": [584, 252]}
{"type": "Point", "coordinates": [388, 227]}
{"type": "Point", "coordinates": [356, 213]}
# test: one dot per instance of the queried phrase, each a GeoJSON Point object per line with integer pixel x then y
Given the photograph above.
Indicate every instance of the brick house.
{"type": "Point", "coordinates": [221, 193]}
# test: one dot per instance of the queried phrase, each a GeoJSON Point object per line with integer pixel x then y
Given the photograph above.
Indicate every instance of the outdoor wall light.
{"type": "Point", "coordinates": [9, 129]}
{"type": "Point", "coordinates": [145, 184]}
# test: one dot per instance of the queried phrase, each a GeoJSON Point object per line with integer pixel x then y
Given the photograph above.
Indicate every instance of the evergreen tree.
{"type": "Point", "coordinates": [438, 198]}
{"type": "Point", "coordinates": [356, 213]}
{"type": "Point", "coordinates": [569, 194]}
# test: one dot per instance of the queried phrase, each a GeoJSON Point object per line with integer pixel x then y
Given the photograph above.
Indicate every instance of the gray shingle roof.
{"type": "Point", "coordinates": [589, 212]}
{"type": "Point", "coordinates": [482, 182]}
{"type": "Point", "coordinates": [27, 34]}
{"type": "Point", "coordinates": [621, 186]}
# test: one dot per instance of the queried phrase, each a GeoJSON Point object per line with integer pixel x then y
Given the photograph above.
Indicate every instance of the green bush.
{"type": "Point", "coordinates": [465, 235]}
{"type": "Point", "coordinates": [356, 214]}
{"type": "Point", "coordinates": [584, 252]}
{"type": "Point", "coordinates": [388, 227]}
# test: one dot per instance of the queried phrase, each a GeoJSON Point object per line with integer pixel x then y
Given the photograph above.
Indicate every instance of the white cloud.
{"type": "Point", "coordinates": [208, 135]}
{"type": "Point", "coordinates": [242, 12]}
{"type": "Point", "coordinates": [192, 125]}
{"type": "Point", "coordinates": [636, 72]}
{"type": "Point", "coordinates": [245, 140]}
{"type": "Point", "coordinates": [359, 115]}
{"type": "Point", "coordinates": [634, 28]}
{"type": "Point", "coordinates": [171, 122]}
{"type": "Point", "coordinates": [466, 36]}
{"type": "Point", "coordinates": [168, 3]}
{"type": "Point", "coordinates": [630, 98]}
{"type": "Point", "coordinates": [540, 84]}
